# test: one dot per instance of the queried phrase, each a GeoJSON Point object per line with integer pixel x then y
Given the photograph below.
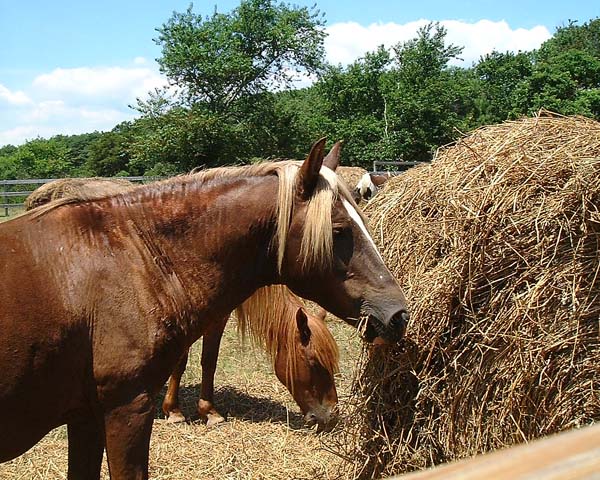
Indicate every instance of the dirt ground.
{"type": "Point", "coordinates": [263, 438]}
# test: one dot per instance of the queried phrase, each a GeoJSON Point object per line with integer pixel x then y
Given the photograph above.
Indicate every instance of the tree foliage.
{"type": "Point", "coordinates": [260, 45]}
{"type": "Point", "coordinates": [398, 103]}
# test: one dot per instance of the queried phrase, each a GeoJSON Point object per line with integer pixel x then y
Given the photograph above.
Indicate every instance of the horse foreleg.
{"type": "Point", "coordinates": [127, 431]}
{"type": "Point", "coordinates": [170, 405]}
{"type": "Point", "coordinates": [86, 445]}
{"type": "Point", "coordinates": [211, 343]}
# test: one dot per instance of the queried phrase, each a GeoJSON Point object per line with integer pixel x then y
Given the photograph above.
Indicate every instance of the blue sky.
{"type": "Point", "coordinates": [74, 66]}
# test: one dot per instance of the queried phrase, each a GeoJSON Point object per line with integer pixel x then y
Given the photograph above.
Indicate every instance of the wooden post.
{"type": "Point", "coordinates": [4, 200]}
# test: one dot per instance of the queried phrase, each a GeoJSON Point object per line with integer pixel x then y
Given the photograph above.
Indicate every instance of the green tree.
{"type": "Point", "coordinates": [353, 101]}
{"type": "Point", "coordinates": [568, 83]}
{"type": "Point", "coordinates": [501, 77]}
{"type": "Point", "coordinates": [259, 45]}
{"type": "Point", "coordinates": [37, 159]}
{"type": "Point", "coordinates": [109, 154]}
{"type": "Point", "coordinates": [426, 99]}
{"type": "Point", "coordinates": [566, 73]}
{"type": "Point", "coordinates": [186, 138]}
{"type": "Point", "coordinates": [585, 38]}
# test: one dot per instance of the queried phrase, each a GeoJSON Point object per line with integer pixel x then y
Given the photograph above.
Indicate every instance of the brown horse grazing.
{"type": "Point", "coordinates": [302, 350]}
{"type": "Point", "coordinates": [99, 299]}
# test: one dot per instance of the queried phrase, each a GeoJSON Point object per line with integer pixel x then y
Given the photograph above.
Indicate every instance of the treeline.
{"type": "Point", "coordinates": [231, 100]}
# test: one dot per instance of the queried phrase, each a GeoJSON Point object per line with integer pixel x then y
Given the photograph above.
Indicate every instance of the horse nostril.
{"type": "Point", "coordinates": [310, 418]}
{"type": "Point", "coordinates": [400, 320]}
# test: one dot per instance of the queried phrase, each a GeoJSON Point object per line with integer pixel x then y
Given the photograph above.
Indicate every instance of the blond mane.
{"type": "Point", "coordinates": [317, 241]}
{"type": "Point", "coordinates": [268, 319]}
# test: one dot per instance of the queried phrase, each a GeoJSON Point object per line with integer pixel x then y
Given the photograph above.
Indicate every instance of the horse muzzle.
{"type": "Point", "coordinates": [390, 331]}
{"type": "Point", "coordinates": [325, 418]}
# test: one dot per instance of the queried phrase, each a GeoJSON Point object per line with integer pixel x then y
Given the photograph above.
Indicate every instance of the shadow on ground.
{"type": "Point", "coordinates": [234, 403]}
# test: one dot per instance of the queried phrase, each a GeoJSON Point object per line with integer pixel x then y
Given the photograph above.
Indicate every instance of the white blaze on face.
{"type": "Point", "coordinates": [366, 187]}
{"type": "Point", "coordinates": [356, 218]}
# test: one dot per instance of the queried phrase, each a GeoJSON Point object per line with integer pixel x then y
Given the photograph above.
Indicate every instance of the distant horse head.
{"type": "Point", "coordinates": [369, 185]}
{"type": "Point", "coordinates": [329, 256]}
{"type": "Point", "coordinates": [303, 352]}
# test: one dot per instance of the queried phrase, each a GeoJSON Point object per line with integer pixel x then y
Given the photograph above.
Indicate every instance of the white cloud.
{"type": "Point", "coordinates": [485, 36]}
{"type": "Point", "coordinates": [79, 100]}
{"type": "Point", "coordinates": [54, 117]}
{"type": "Point", "coordinates": [75, 100]}
{"type": "Point", "coordinates": [16, 135]}
{"type": "Point", "coordinates": [348, 41]}
{"type": "Point", "coordinates": [13, 98]}
{"type": "Point", "coordinates": [99, 83]}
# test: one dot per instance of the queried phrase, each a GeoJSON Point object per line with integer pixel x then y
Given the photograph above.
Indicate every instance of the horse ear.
{"type": "Point", "coordinates": [332, 160]}
{"type": "Point", "coordinates": [309, 171]}
{"type": "Point", "coordinates": [303, 328]}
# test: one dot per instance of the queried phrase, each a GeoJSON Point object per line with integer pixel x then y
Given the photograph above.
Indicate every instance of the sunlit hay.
{"type": "Point", "coordinates": [350, 175]}
{"type": "Point", "coordinates": [76, 188]}
{"type": "Point", "coordinates": [496, 244]}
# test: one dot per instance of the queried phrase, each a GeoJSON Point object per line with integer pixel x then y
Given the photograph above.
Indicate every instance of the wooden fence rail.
{"type": "Point", "coordinates": [570, 455]}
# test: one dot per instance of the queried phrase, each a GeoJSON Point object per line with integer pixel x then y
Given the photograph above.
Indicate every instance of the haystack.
{"type": "Point", "coordinates": [496, 243]}
{"type": "Point", "coordinates": [67, 187]}
{"type": "Point", "coordinates": [351, 175]}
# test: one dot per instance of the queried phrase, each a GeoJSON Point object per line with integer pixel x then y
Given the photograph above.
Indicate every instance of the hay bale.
{"type": "Point", "coordinates": [496, 243]}
{"type": "Point", "coordinates": [74, 187]}
{"type": "Point", "coordinates": [350, 175]}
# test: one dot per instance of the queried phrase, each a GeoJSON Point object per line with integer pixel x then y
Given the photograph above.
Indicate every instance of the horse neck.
{"type": "Point", "coordinates": [216, 239]}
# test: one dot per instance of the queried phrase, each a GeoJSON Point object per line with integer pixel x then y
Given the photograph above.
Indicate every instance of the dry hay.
{"type": "Point", "coordinates": [262, 439]}
{"type": "Point", "coordinates": [496, 244]}
{"type": "Point", "coordinates": [350, 175]}
{"type": "Point", "coordinates": [67, 187]}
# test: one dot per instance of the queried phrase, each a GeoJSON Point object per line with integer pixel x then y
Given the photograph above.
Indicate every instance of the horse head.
{"type": "Point", "coordinates": [365, 188]}
{"type": "Point", "coordinates": [330, 257]}
{"type": "Point", "coordinates": [306, 364]}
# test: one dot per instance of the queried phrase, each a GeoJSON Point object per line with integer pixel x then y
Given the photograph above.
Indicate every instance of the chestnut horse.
{"type": "Point", "coordinates": [99, 299]}
{"type": "Point", "coordinates": [303, 353]}
{"type": "Point", "coordinates": [302, 350]}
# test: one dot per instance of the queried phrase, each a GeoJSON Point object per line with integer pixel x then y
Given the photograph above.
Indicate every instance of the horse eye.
{"type": "Point", "coordinates": [337, 230]}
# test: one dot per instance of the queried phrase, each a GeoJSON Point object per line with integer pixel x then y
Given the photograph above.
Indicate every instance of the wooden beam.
{"type": "Point", "coordinates": [570, 455]}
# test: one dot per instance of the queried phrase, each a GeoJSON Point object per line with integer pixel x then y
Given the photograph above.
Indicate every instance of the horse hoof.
{"type": "Point", "coordinates": [175, 417]}
{"type": "Point", "coordinates": [214, 419]}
